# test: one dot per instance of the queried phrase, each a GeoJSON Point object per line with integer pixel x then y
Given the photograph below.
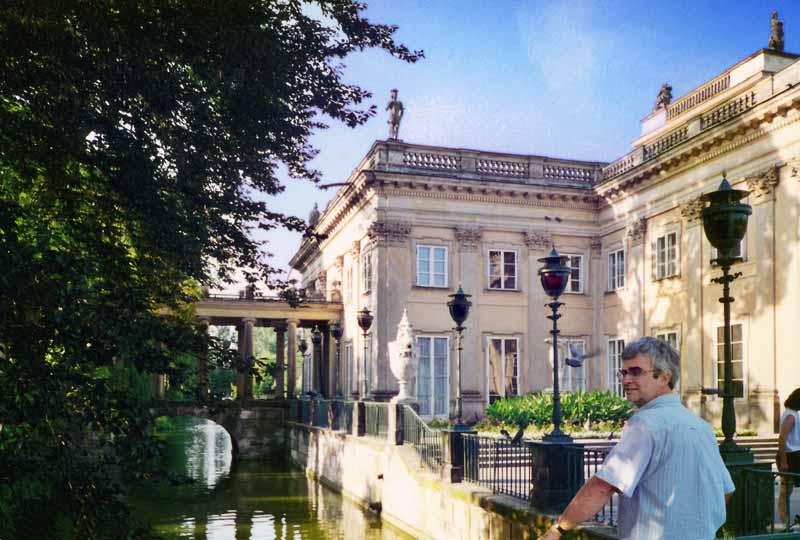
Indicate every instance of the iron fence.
{"type": "Point", "coordinates": [376, 419]}
{"type": "Point", "coordinates": [498, 464]}
{"type": "Point", "coordinates": [305, 411]}
{"type": "Point", "coordinates": [341, 415]}
{"type": "Point", "coordinates": [425, 440]}
{"type": "Point", "coordinates": [322, 411]}
{"type": "Point", "coordinates": [582, 463]}
{"type": "Point", "coordinates": [768, 503]}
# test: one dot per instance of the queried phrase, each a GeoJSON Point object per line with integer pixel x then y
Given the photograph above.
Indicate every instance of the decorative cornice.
{"type": "Point", "coordinates": [390, 232]}
{"type": "Point", "coordinates": [637, 230]}
{"type": "Point", "coordinates": [691, 210]}
{"type": "Point", "coordinates": [762, 186]}
{"type": "Point", "coordinates": [468, 239]}
{"type": "Point", "coordinates": [587, 201]}
{"type": "Point", "coordinates": [538, 239]}
{"type": "Point", "coordinates": [596, 246]}
{"type": "Point", "coordinates": [355, 248]}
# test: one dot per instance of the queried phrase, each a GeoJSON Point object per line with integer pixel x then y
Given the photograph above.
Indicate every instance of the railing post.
{"type": "Point", "coordinates": [556, 475]}
{"type": "Point", "coordinates": [359, 419]}
{"type": "Point", "coordinates": [453, 454]}
{"type": "Point", "coordinates": [395, 431]}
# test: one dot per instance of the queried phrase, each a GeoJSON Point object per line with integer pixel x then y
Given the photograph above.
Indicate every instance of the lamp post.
{"type": "Point", "coordinates": [459, 311]}
{"type": "Point", "coordinates": [725, 223]}
{"type": "Point", "coordinates": [303, 347]}
{"type": "Point", "coordinates": [365, 322]}
{"type": "Point", "coordinates": [316, 340]}
{"type": "Point", "coordinates": [336, 332]}
{"type": "Point", "coordinates": [554, 276]}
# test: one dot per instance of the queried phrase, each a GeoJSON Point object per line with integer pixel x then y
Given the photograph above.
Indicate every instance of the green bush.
{"type": "Point", "coordinates": [577, 408]}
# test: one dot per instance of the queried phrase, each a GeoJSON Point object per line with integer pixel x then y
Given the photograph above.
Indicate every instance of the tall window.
{"type": "Point", "coordinates": [575, 264]}
{"type": "Point", "coordinates": [366, 369]}
{"type": "Point", "coordinates": [502, 269]}
{"type": "Point", "coordinates": [614, 356]}
{"type": "Point", "coordinates": [348, 369]}
{"type": "Point", "coordinates": [431, 266]}
{"type": "Point", "coordinates": [616, 270]}
{"type": "Point", "coordinates": [502, 367]}
{"type": "Point", "coordinates": [667, 262]}
{"type": "Point", "coordinates": [571, 379]}
{"type": "Point", "coordinates": [738, 251]}
{"type": "Point", "coordinates": [366, 273]}
{"type": "Point", "coordinates": [737, 359]}
{"type": "Point", "coordinates": [670, 336]}
{"type": "Point", "coordinates": [433, 388]}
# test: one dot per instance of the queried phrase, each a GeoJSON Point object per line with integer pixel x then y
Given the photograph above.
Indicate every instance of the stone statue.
{"type": "Point", "coordinates": [396, 110]}
{"type": "Point", "coordinates": [403, 359]}
{"type": "Point", "coordinates": [664, 97]}
{"type": "Point", "coordinates": [775, 33]}
{"type": "Point", "coordinates": [313, 216]}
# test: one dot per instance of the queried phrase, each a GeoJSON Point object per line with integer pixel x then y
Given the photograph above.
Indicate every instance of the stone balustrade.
{"type": "Point", "coordinates": [729, 109]}
{"type": "Point", "coordinates": [705, 92]}
{"type": "Point", "coordinates": [661, 145]}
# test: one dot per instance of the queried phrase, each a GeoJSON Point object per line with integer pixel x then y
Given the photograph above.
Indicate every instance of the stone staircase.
{"type": "Point", "coordinates": [763, 447]}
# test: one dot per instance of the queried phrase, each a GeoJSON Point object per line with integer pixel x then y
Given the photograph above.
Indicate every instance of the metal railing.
{"type": "Point", "coordinates": [768, 503]}
{"type": "Point", "coordinates": [376, 419]}
{"type": "Point", "coordinates": [341, 415]}
{"type": "Point", "coordinates": [425, 440]}
{"type": "Point", "coordinates": [322, 409]}
{"type": "Point", "coordinates": [498, 464]}
{"type": "Point", "coordinates": [582, 463]}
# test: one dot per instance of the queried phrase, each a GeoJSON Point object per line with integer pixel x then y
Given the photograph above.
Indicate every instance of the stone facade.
{"type": "Point", "coordinates": [415, 222]}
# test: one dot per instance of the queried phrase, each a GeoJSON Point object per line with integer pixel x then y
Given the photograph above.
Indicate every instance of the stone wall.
{"type": "Point", "coordinates": [385, 478]}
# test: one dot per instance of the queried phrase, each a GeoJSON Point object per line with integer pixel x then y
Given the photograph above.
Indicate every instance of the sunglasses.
{"type": "Point", "coordinates": [635, 371]}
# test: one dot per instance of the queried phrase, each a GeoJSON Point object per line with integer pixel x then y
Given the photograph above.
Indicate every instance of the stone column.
{"type": "Point", "coordinates": [244, 381]}
{"type": "Point", "coordinates": [595, 373]}
{"type": "Point", "coordinates": [201, 363]}
{"type": "Point", "coordinates": [536, 353]}
{"type": "Point", "coordinates": [692, 358]}
{"type": "Point", "coordinates": [291, 371]}
{"type": "Point", "coordinates": [637, 233]}
{"type": "Point", "coordinates": [280, 354]}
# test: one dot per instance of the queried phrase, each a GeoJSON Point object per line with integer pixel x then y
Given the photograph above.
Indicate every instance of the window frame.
{"type": "Point", "coordinates": [366, 272]}
{"type": "Point", "coordinates": [581, 273]}
{"type": "Point", "coordinates": [617, 280]}
{"type": "Point", "coordinates": [431, 266]}
{"type": "Point", "coordinates": [657, 263]}
{"type": "Point", "coordinates": [564, 368]}
{"type": "Point", "coordinates": [502, 271]}
{"type": "Point", "coordinates": [614, 363]}
{"type": "Point", "coordinates": [349, 365]}
{"type": "Point", "coordinates": [432, 337]}
{"type": "Point", "coordinates": [717, 362]}
{"type": "Point", "coordinates": [714, 253]}
{"type": "Point", "coordinates": [487, 364]}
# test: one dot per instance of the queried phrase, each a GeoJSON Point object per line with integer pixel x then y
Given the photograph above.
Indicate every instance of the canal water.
{"type": "Point", "coordinates": [245, 500]}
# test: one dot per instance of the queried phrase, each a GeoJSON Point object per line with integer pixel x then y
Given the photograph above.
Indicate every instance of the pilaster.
{"type": "Point", "coordinates": [280, 355]}
{"type": "Point", "coordinates": [637, 253]}
{"type": "Point", "coordinates": [693, 361]}
{"type": "Point", "coordinates": [471, 277]}
{"type": "Point", "coordinates": [538, 243]}
{"type": "Point", "coordinates": [291, 371]}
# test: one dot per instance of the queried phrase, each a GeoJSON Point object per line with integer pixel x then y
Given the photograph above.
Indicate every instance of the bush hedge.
{"type": "Point", "coordinates": [577, 408]}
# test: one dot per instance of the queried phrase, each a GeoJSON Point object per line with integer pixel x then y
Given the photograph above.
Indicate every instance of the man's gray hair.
{"type": "Point", "coordinates": [663, 356]}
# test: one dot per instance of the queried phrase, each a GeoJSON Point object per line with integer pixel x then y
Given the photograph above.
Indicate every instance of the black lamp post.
{"type": "Point", "coordinates": [316, 340]}
{"type": "Point", "coordinates": [554, 276]}
{"type": "Point", "coordinates": [303, 347]}
{"type": "Point", "coordinates": [459, 311]}
{"type": "Point", "coordinates": [725, 223]}
{"type": "Point", "coordinates": [336, 332]}
{"type": "Point", "coordinates": [365, 322]}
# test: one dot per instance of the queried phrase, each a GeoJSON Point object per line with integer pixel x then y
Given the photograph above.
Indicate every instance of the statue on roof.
{"type": "Point", "coordinates": [775, 33]}
{"type": "Point", "coordinates": [396, 110]}
{"type": "Point", "coordinates": [664, 97]}
{"type": "Point", "coordinates": [313, 216]}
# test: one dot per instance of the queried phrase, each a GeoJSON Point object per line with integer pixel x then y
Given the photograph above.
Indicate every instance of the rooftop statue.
{"type": "Point", "coordinates": [396, 110]}
{"type": "Point", "coordinates": [664, 97]}
{"type": "Point", "coordinates": [775, 33]}
{"type": "Point", "coordinates": [313, 216]}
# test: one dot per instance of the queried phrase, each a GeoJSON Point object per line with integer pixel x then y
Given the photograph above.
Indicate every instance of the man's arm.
{"type": "Point", "coordinates": [587, 502]}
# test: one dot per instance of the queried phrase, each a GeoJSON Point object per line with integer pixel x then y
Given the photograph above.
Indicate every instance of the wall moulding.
{"type": "Point", "coordinates": [690, 210]}
{"type": "Point", "coordinates": [583, 202]}
{"type": "Point", "coordinates": [390, 232]}
{"type": "Point", "coordinates": [637, 230]}
{"type": "Point", "coordinates": [540, 240]}
{"type": "Point", "coordinates": [468, 239]}
{"type": "Point", "coordinates": [762, 185]}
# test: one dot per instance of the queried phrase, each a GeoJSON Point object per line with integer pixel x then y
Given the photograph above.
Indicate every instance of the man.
{"type": "Point", "coordinates": [666, 467]}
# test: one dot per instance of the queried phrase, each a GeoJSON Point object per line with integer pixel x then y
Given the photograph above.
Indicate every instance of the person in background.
{"type": "Point", "coordinates": [666, 466]}
{"type": "Point", "coordinates": [788, 457]}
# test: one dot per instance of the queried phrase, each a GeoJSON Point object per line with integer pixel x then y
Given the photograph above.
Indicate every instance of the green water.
{"type": "Point", "coordinates": [246, 500]}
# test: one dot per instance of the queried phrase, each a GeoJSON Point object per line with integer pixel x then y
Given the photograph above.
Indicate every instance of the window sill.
{"type": "Point", "coordinates": [489, 289]}
{"type": "Point", "coordinates": [665, 278]}
{"type": "Point", "coordinates": [432, 287]}
{"type": "Point", "coordinates": [614, 291]}
{"type": "Point", "coordinates": [574, 292]}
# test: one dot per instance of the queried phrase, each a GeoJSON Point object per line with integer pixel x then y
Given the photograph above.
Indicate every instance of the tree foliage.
{"type": "Point", "coordinates": [134, 137]}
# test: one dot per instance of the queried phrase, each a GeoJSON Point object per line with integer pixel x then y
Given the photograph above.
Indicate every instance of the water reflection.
{"type": "Point", "coordinates": [247, 500]}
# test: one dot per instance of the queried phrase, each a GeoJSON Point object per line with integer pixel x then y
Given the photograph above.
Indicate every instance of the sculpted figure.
{"type": "Point", "coordinates": [313, 216]}
{"type": "Point", "coordinates": [396, 110]}
{"type": "Point", "coordinates": [664, 97]}
{"type": "Point", "coordinates": [775, 33]}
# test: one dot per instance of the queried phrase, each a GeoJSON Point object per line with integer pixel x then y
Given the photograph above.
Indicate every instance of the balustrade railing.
{"type": "Point", "coordinates": [582, 463]}
{"type": "Point", "coordinates": [697, 97]}
{"type": "Point", "coordinates": [498, 167]}
{"type": "Point", "coordinates": [498, 464]}
{"type": "Point", "coordinates": [321, 411]}
{"type": "Point", "coordinates": [426, 160]}
{"type": "Point", "coordinates": [425, 440]}
{"type": "Point", "coordinates": [728, 110]}
{"type": "Point", "coordinates": [376, 419]}
{"type": "Point", "coordinates": [671, 139]}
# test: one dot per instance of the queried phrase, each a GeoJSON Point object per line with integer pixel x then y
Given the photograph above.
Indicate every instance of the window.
{"type": "Point", "coordinates": [738, 251]}
{"type": "Point", "coordinates": [575, 265]}
{"type": "Point", "coordinates": [737, 359]}
{"type": "Point", "coordinates": [502, 269]}
{"type": "Point", "coordinates": [431, 266]}
{"type": "Point", "coordinates": [616, 270]}
{"type": "Point", "coordinates": [502, 367]}
{"type": "Point", "coordinates": [667, 262]}
{"type": "Point", "coordinates": [614, 356]}
{"type": "Point", "coordinates": [348, 369]}
{"type": "Point", "coordinates": [570, 379]}
{"type": "Point", "coordinates": [351, 284]}
{"type": "Point", "coordinates": [366, 369]}
{"type": "Point", "coordinates": [433, 388]}
{"type": "Point", "coordinates": [670, 336]}
{"type": "Point", "coordinates": [367, 272]}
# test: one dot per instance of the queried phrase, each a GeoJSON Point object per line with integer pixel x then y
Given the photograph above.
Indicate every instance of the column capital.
{"type": "Point", "coordinates": [280, 326]}
{"type": "Point", "coordinates": [249, 321]}
{"type": "Point", "coordinates": [637, 230]}
{"type": "Point", "coordinates": [292, 322]}
{"type": "Point", "coordinates": [203, 321]}
{"type": "Point", "coordinates": [762, 185]}
{"type": "Point", "coordinates": [596, 246]}
{"type": "Point", "coordinates": [540, 240]}
{"type": "Point", "coordinates": [389, 232]}
{"type": "Point", "coordinates": [691, 211]}
{"type": "Point", "coordinates": [468, 238]}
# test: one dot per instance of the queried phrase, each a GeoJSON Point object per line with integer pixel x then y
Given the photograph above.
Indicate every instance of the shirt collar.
{"type": "Point", "coordinates": [664, 400]}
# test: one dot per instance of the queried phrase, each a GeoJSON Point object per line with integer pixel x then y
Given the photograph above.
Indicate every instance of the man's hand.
{"type": "Point", "coordinates": [551, 534]}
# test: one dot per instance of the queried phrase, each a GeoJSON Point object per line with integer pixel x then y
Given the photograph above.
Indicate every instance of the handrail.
{"type": "Point", "coordinates": [425, 440]}
{"type": "Point", "coordinates": [376, 419]}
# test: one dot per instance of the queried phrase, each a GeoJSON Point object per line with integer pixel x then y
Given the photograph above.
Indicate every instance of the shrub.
{"type": "Point", "coordinates": [577, 408]}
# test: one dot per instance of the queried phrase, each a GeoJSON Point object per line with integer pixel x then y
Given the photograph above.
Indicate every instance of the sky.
{"type": "Point", "coordinates": [561, 78]}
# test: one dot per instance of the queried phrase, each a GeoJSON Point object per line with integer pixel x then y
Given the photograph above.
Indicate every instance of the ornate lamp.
{"type": "Point", "coordinates": [365, 322]}
{"type": "Point", "coordinates": [725, 223]}
{"type": "Point", "coordinates": [459, 311]}
{"type": "Point", "coordinates": [336, 332]}
{"type": "Point", "coordinates": [302, 346]}
{"type": "Point", "coordinates": [554, 276]}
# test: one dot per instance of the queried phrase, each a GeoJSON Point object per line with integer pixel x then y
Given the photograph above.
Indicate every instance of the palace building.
{"type": "Point", "coordinates": [413, 223]}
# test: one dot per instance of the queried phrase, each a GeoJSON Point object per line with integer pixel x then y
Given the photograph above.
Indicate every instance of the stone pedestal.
{"type": "Point", "coordinates": [557, 474]}
{"type": "Point", "coordinates": [453, 454]}
{"type": "Point", "coordinates": [752, 504]}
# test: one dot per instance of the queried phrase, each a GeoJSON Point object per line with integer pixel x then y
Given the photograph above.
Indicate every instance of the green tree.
{"type": "Point", "coordinates": [134, 136]}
